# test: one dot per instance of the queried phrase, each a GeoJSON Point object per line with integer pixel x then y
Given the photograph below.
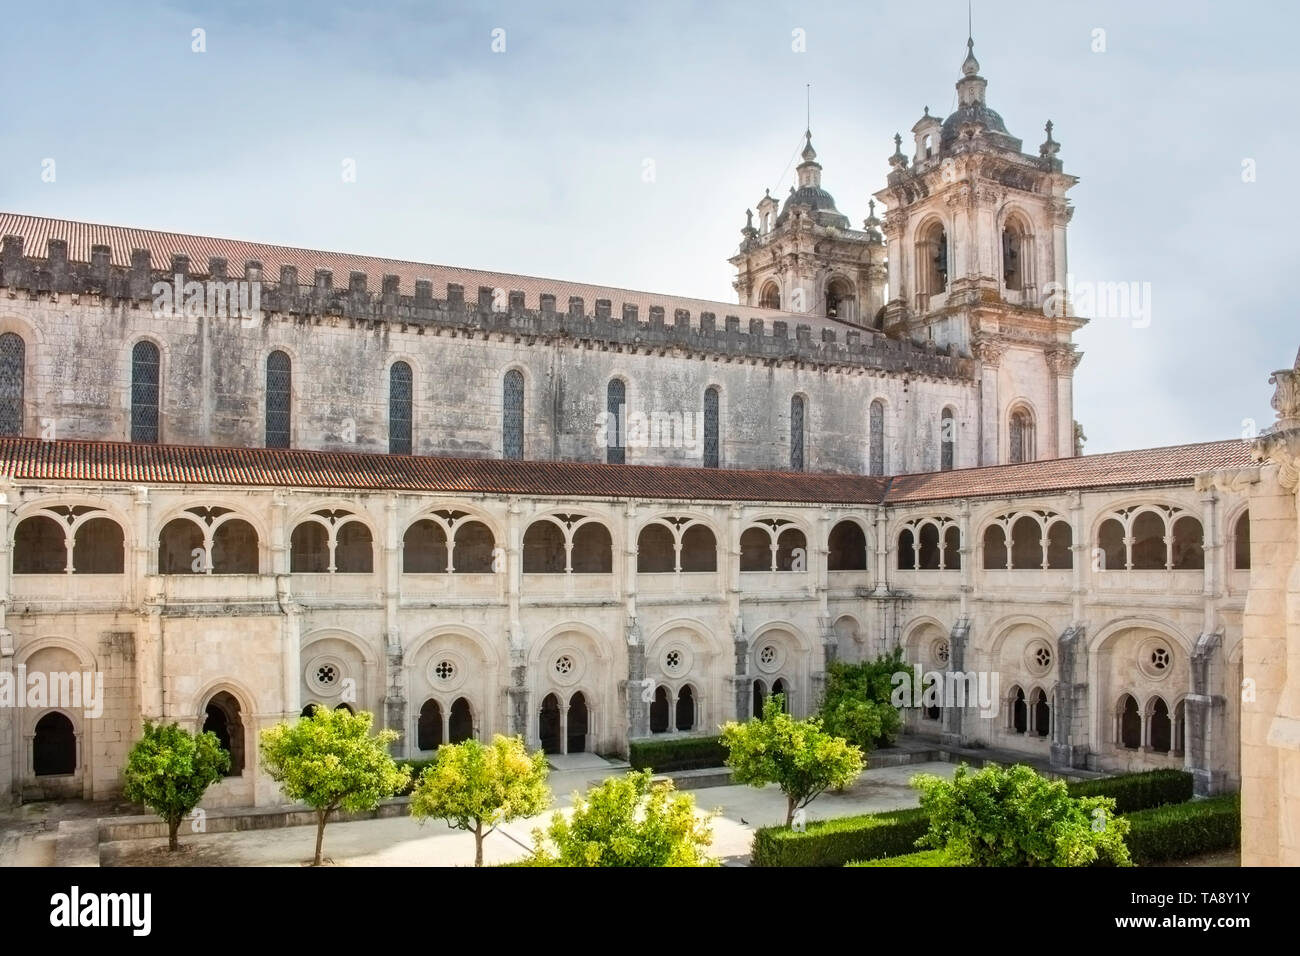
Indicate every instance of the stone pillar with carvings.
{"type": "Point", "coordinates": [1061, 362]}
{"type": "Point", "coordinates": [988, 352]}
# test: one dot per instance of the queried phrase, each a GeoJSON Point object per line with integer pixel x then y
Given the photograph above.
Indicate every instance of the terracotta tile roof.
{"type": "Point", "coordinates": [1145, 466]}
{"type": "Point", "coordinates": [32, 459]}
{"type": "Point", "coordinates": [36, 232]}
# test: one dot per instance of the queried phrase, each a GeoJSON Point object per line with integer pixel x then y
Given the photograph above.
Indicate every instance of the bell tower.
{"type": "Point", "coordinates": [806, 259]}
{"type": "Point", "coordinates": [975, 231]}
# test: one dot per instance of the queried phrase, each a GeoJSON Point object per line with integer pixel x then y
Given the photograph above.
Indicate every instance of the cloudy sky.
{"type": "Point", "coordinates": [531, 159]}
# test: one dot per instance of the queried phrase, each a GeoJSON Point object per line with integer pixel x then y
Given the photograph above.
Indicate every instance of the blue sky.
{"type": "Point", "coordinates": [530, 160]}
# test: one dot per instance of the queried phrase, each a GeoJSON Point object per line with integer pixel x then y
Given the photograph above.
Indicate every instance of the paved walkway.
{"type": "Point", "coordinates": [402, 841]}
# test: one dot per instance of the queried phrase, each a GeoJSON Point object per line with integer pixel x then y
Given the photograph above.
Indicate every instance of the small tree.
{"type": "Point", "coordinates": [473, 786]}
{"type": "Point", "coordinates": [797, 755]}
{"type": "Point", "coordinates": [168, 771]}
{"type": "Point", "coordinates": [330, 762]}
{"type": "Point", "coordinates": [626, 821]}
{"type": "Point", "coordinates": [1012, 816]}
{"type": "Point", "coordinates": [858, 702]}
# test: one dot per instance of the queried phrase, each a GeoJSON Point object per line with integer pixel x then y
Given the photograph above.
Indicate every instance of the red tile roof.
{"type": "Point", "coordinates": [31, 459]}
{"type": "Point", "coordinates": [36, 232]}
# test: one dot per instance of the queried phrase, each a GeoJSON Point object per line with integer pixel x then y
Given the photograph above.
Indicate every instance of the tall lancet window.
{"type": "Point", "coordinates": [615, 402]}
{"type": "Point", "coordinates": [145, 393]}
{"type": "Point", "coordinates": [512, 415]}
{"type": "Point", "coordinates": [13, 359]}
{"type": "Point", "coordinates": [1021, 436]}
{"type": "Point", "coordinates": [711, 439]}
{"type": "Point", "coordinates": [876, 439]}
{"type": "Point", "coordinates": [399, 409]}
{"type": "Point", "coordinates": [279, 390]}
{"type": "Point", "coordinates": [947, 439]}
{"type": "Point", "coordinates": [796, 432]}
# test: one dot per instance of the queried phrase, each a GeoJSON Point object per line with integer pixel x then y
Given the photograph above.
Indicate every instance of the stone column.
{"type": "Point", "coordinates": [742, 685]}
{"type": "Point", "coordinates": [989, 353]}
{"type": "Point", "coordinates": [636, 686]}
{"type": "Point", "coordinates": [1203, 742]}
{"type": "Point", "coordinates": [953, 716]}
{"type": "Point", "coordinates": [1070, 739]}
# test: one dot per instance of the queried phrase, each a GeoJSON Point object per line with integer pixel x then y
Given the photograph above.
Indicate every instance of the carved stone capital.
{"type": "Point", "coordinates": [1063, 361]}
{"type": "Point", "coordinates": [1282, 447]}
{"type": "Point", "coordinates": [989, 351]}
{"type": "Point", "coordinates": [1286, 395]}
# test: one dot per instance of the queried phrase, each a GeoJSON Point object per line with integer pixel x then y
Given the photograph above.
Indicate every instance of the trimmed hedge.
{"type": "Point", "coordinates": [874, 835]}
{"type": "Point", "coordinates": [838, 841]}
{"type": "Point", "coordinates": [1138, 791]}
{"type": "Point", "coordinates": [681, 753]}
{"type": "Point", "coordinates": [1188, 829]}
{"type": "Point", "coordinates": [924, 858]}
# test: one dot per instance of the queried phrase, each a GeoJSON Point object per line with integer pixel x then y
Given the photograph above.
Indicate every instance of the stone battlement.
{"type": "Point", "coordinates": [493, 311]}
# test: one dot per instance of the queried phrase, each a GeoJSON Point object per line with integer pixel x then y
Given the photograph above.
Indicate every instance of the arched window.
{"type": "Point", "coordinates": [549, 725]}
{"type": "Point", "coordinates": [474, 549]}
{"type": "Point", "coordinates": [98, 548]}
{"type": "Point", "coordinates": [460, 722]}
{"type": "Point", "coordinates": [928, 559]}
{"type": "Point", "coordinates": [309, 549]}
{"type": "Point", "coordinates": [760, 698]}
{"type": "Point", "coordinates": [876, 443]}
{"type": "Point", "coordinates": [593, 549]}
{"type": "Point", "coordinates": [279, 390]}
{"type": "Point", "coordinates": [847, 548]}
{"type": "Point", "coordinates": [1130, 723]}
{"type": "Point", "coordinates": [770, 298]}
{"type": "Point", "coordinates": [686, 708]}
{"type": "Point", "coordinates": [1241, 543]}
{"type": "Point", "coordinates": [796, 432]}
{"type": "Point", "coordinates": [1180, 727]}
{"type": "Point", "coordinates": [234, 548]}
{"type": "Point", "coordinates": [906, 550]}
{"type": "Point", "coordinates": [544, 548]}
{"type": "Point", "coordinates": [399, 409]}
{"type": "Point", "coordinates": [1188, 544]}
{"type": "Point", "coordinates": [1026, 544]}
{"type": "Point", "coordinates": [712, 442]}
{"type": "Point", "coordinates": [755, 550]}
{"type": "Point", "coordinates": [181, 548]}
{"type": "Point", "coordinates": [791, 551]}
{"type": "Point", "coordinates": [223, 719]}
{"type": "Point", "coordinates": [13, 370]}
{"type": "Point", "coordinates": [354, 549]}
{"type": "Point", "coordinates": [577, 723]}
{"type": "Point", "coordinates": [952, 548]}
{"type": "Point", "coordinates": [1014, 259]}
{"type": "Point", "coordinates": [841, 302]}
{"type": "Point", "coordinates": [699, 549]}
{"type": "Point", "coordinates": [1060, 546]}
{"type": "Point", "coordinates": [145, 393]}
{"type": "Point", "coordinates": [1161, 727]}
{"type": "Point", "coordinates": [1149, 549]}
{"type": "Point", "coordinates": [512, 415]}
{"type": "Point", "coordinates": [424, 549]}
{"type": "Point", "coordinates": [1019, 711]}
{"type": "Point", "coordinates": [1042, 713]}
{"type": "Point", "coordinates": [54, 746]}
{"type": "Point", "coordinates": [428, 733]}
{"type": "Point", "coordinates": [656, 550]}
{"type": "Point", "coordinates": [781, 691]}
{"type": "Point", "coordinates": [1021, 436]}
{"type": "Point", "coordinates": [1110, 542]}
{"type": "Point", "coordinates": [947, 439]}
{"type": "Point", "coordinates": [932, 260]}
{"type": "Point", "coordinates": [659, 711]}
{"type": "Point", "coordinates": [40, 546]}
{"type": "Point", "coordinates": [995, 548]}
{"type": "Point", "coordinates": [615, 403]}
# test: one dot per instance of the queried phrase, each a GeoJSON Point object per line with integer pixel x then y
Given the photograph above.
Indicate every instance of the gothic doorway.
{"type": "Point", "coordinates": [548, 725]}
{"type": "Point", "coordinates": [223, 719]}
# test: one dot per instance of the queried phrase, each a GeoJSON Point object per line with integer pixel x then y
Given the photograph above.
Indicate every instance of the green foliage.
{"type": "Point", "coordinates": [1138, 791]}
{"type": "Point", "coordinates": [473, 787]}
{"type": "Point", "coordinates": [858, 705]}
{"type": "Point", "coordinates": [836, 842]}
{"type": "Point", "coordinates": [416, 769]}
{"type": "Point", "coordinates": [1187, 829]}
{"type": "Point", "coordinates": [627, 821]}
{"type": "Point", "coordinates": [169, 769]}
{"type": "Point", "coordinates": [1013, 816]}
{"type": "Point", "coordinates": [922, 858]}
{"type": "Point", "coordinates": [797, 755]}
{"type": "Point", "coordinates": [681, 753]}
{"type": "Point", "coordinates": [330, 762]}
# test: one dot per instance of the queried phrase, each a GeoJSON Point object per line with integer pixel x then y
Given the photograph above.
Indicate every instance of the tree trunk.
{"type": "Point", "coordinates": [173, 844]}
{"type": "Point", "coordinates": [321, 817]}
{"type": "Point", "coordinates": [789, 811]}
{"type": "Point", "coordinates": [478, 842]}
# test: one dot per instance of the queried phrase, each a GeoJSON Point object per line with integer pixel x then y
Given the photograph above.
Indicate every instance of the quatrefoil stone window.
{"type": "Point", "coordinates": [326, 674]}
{"type": "Point", "coordinates": [673, 660]}
{"type": "Point", "coordinates": [941, 651]}
{"type": "Point", "coordinates": [1043, 658]}
{"type": "Point", "coordinates": [444, 670]}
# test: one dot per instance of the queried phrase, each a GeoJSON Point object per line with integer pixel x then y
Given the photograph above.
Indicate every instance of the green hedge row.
{"type": "Point", "coordinates": [1187, 829]}
{"type": "Point", "coordinates": [1138, 791]}
{"type": "Point", "coordinates": [836, 842]}
{"type": "Point", "coordinates": [867, 837]}
{"type": "Point", "coordinates": [923, 858]}
{"type": "Point", "coordinates": [678, 753]}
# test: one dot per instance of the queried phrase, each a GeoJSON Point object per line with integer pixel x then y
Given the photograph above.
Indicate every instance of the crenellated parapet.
{"type": "Point", "coordinates": [486, 310]}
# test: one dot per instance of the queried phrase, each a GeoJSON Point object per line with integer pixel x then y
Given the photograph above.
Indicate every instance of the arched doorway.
{"type": "Point", "coordinates": [659, 711]}
{"type": "Point", "coordinates": [686, 708]}
{"type": "Point", "coordinates": [460, 722]}
{"type": "Point", "coordinates": [54, 748]}
{"type": "Point", "coordinates": [548, 725]}
{"type": "Point", "coordinates": [760, 697]}
{"type": "Point", "coordinates": [428, 732]}
{"type": "Point", "coordinates": [223, 719]}
{"type": "Point", "coordinates": [577, 723]}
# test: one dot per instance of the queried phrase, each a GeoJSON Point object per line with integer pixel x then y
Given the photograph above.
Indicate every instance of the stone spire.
{"type": "Point", "coordinates": [971, 86]}
{"type": "Point", "coordinates": [810, 171]}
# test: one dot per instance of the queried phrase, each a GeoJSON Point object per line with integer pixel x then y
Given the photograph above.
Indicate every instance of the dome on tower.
{"type": "Point", "coordinates": [810, 194]}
